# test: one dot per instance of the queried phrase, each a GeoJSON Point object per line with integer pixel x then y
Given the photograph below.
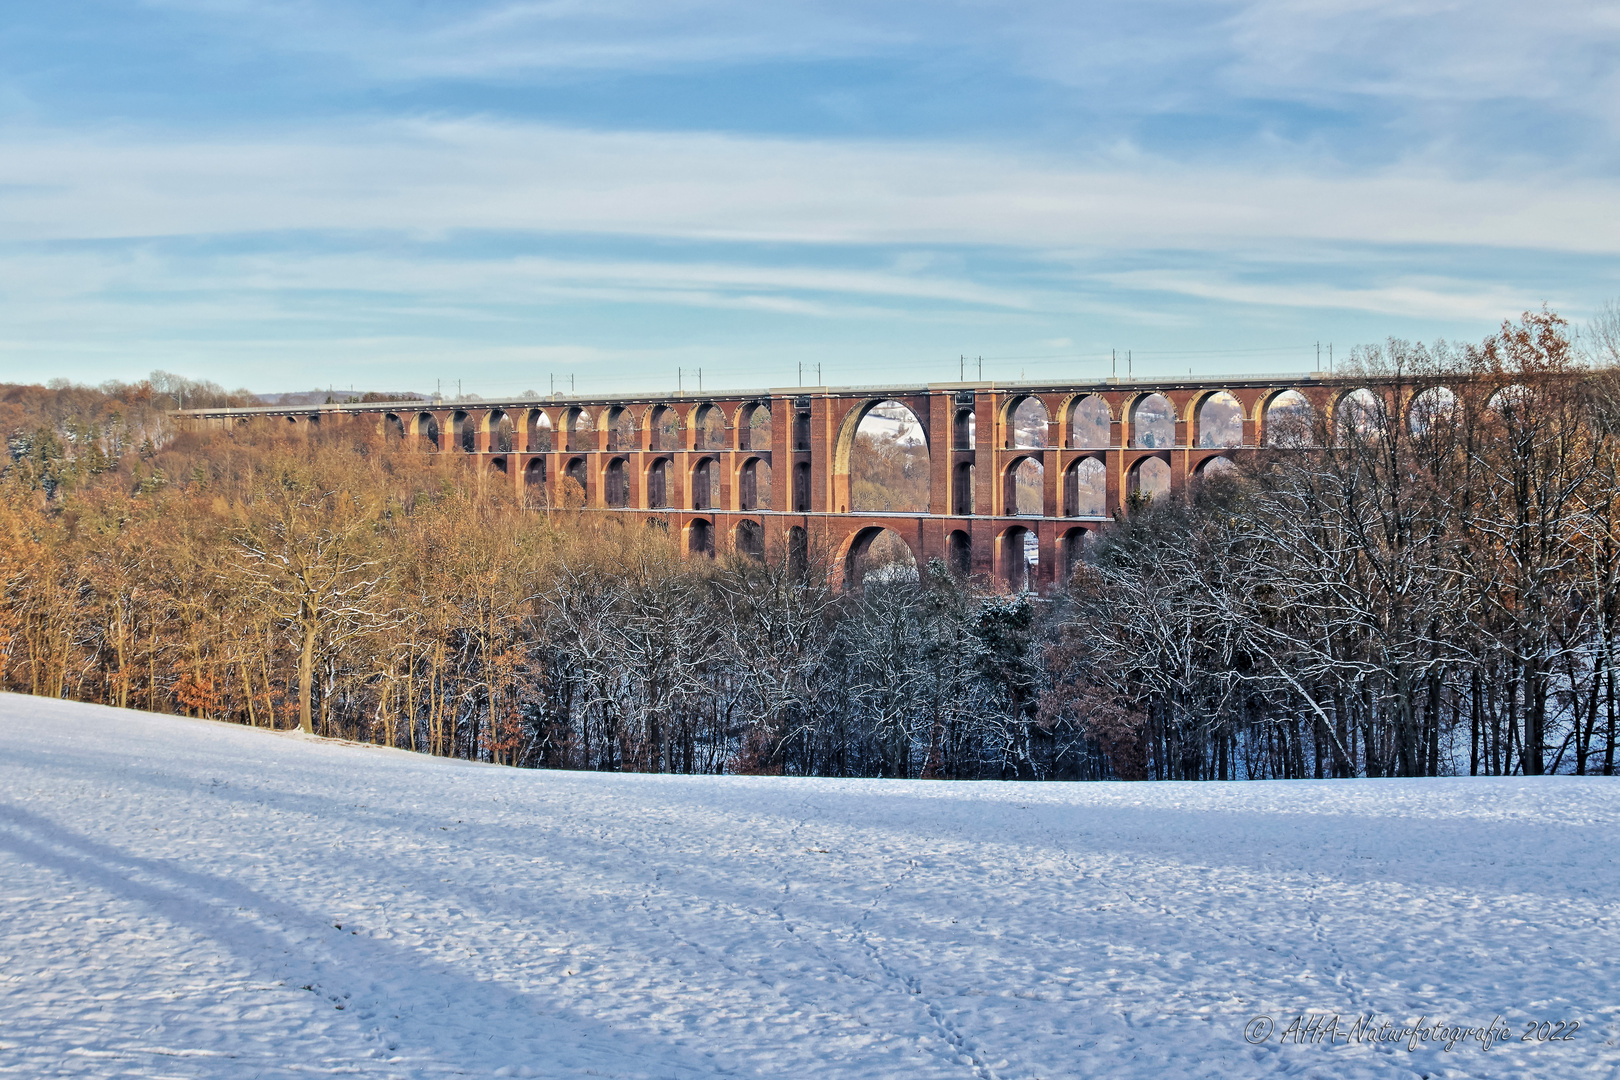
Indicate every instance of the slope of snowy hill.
{"type": "Point", "coordinates": [189, 899]}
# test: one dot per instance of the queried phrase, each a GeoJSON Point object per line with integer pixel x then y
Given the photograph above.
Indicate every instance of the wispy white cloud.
{"type": "Point", "coordinates": [504, 38]}
{"type": "Point", "coordinates": [437, 282]}
{"type": "Point", "coordinates": [1432, 50]}
{"type": "Point", "coordinates": [1459, 300]}
{"type": "Point", "coordinates": [1308, 49]}
{"type": "Point", "coordinates": [440, 176]}
{"type": "Point", "coordinates": [517, 278]}
{"type": "Point", "coordinates": [1481, 81]}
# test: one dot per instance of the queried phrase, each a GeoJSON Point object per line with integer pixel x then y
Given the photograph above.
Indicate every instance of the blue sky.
{"type": "Point", "coordinates": [288, 194]}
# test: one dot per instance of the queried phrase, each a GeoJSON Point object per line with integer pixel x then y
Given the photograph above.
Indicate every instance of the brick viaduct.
{"type": "Point", "coordinates": [693, 460]}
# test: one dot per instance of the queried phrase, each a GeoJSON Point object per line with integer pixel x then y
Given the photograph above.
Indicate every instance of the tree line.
{"type": "Point", "coordinates": [1423, 582]}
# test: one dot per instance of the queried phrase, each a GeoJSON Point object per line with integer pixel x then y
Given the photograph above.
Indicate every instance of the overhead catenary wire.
{"type": "Point", "coordinates": [746, 375]}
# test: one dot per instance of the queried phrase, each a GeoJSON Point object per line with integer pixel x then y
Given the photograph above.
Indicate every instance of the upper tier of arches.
{"type": "Point", "coordinates": [1076, 453]}
{"type": "Point", "coordinates": [1134, 418]}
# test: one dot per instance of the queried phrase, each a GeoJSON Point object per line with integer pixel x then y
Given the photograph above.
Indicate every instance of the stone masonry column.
{"type": "Point", "coordinates": [941, 420]}
{"type": "Point", "coordinates": [986, 439]}
{"type": "Point", "coordinates": [1118, 437]}
{"type": "Point", "coordinates": [782, 415]}
{"type": "Point", "coordinates": [1181, 404]}
{"type": "Point", "coordinates": [1052, 457]}
{"type": "Point", "coordinates": [1046, 572]}
{"type": "Point", "coordinates": [681, 460]}
{"type": "Point", "coordinates": [821, 453]}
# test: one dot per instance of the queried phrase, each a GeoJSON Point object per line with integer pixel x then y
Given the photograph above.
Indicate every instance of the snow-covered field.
{"type": "Point", "coordinates": [181, 898]}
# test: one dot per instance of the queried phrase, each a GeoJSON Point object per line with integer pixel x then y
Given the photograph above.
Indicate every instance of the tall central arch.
{"type": "Point", "coordinates": [845, 497]}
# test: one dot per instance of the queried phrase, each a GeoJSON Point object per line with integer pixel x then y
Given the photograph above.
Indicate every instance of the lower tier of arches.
{"type": "Point", "coordinates": [1013, 553]}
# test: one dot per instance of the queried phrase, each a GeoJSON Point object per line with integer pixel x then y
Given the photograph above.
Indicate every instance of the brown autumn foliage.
{"type": "Point", "coordinates": [328, 580]}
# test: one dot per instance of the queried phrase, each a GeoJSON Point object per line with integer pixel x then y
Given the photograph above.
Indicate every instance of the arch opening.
{"type": "Point", "coordinates": [798, 551]}
{"type": "Point", "coordinates": [500, 432]}
{"type": "Point", "coordinates": [1090, 423]}
{"type": "Point", "coordinates": [622, 430]}
{"type": "Point", "coordinates": [466, 432]}
{"type": "Point", "coordinates": [659, 476]}
{"type": "Point", "coordinates": [1288, 420]}
{"type": "Point", "coordinates": [801, 488]}
{"type": "Point", "coordinates": [749, 540]}
{"type": "Point", "coordinates": [538, 427]}
{"type": "Point", "coordinates": [710, 428]}
{"type": "Point", "coordinates": [580, 430]}
{"type": "Point", "coordinates": [1026, 488]}
{"type": "Point", "coordinates": [1359, 416]}
{"type": "Point", "coordinates": [754, 429]}
{"type": "Point", "coordinates": [1150, 479]}
{"type": "Point", "coordinates": [616, 483]}
{"type": "Point", "coordinates": [959, 552]}
{"type": "Point", "coordinates": [534, 473]}
{"type": "Point", "coordinates": [888, 461]}
{"type": "Point", "coordinates": [705, 484]}
{"type": "Point", "coordinates": [877, 556]}
{"type": "Point", "coordinates": [1434, 408]}
{"type": "Point", "coordinates": [754, 485]}
{"type": "Point", "coordinates": [1027, 424]}
{"type": "Point", "coordinates": [964, 435]}
{"type": "Point", "coordinates": [1220, 421]}
{"type": "Point", "coordinates": [574, 484]}
{"type": "Point", "coordinates": [1153, 423]}
{"type": "Point", "coordinates": [1085, 489]}
{"type": "Point", "coordinates": [1512, 403]}
{"type": "Point", "coordinates": [393, 428]}
{"type": "Point", "coordinates": [666, 428]}
{"type": "Point", "coordinates": [700, 538]}
{"type": "Point", "coordinates": [962, 489]}
{"type": "Point", "coordinates": [427, 429]}
{"type": "Point", "coordinates": [1077, 549]}
{"type": "Point", "coordinates": [1020, 558]}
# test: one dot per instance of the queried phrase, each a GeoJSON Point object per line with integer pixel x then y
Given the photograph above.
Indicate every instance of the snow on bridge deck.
{"type": "Point", "coordinates": [188, 899]}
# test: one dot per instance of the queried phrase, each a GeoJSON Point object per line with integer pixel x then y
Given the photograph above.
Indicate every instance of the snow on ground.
{"type": "Point", "coordinates": [181, 898]}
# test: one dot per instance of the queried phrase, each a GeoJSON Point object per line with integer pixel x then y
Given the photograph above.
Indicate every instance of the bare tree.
{"type": "Point", "coordinates": [308, 552]}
